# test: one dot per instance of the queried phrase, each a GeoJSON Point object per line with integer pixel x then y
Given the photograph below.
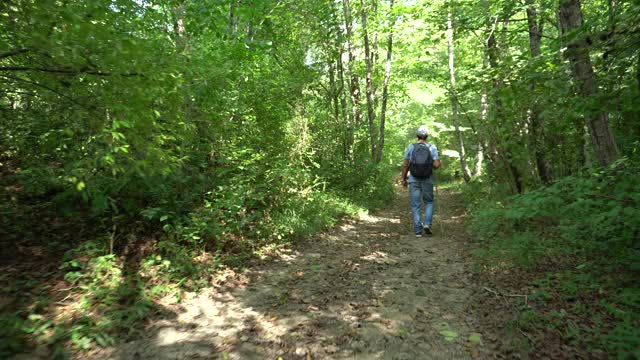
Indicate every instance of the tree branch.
{"type": "Point", "coordinates": [12, 53]}
{"type": "Point", "coordinates": [550, 21]}
{"type": "Point", "coordinates": [65, 71]}
{"type": "Point", "coordinates": [67, 97]}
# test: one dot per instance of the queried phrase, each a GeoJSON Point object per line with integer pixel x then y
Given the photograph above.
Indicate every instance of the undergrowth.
{"type": "Point", "coordinates": [134, 266]}
{"type": "Point", "coordinates": [577, 242]}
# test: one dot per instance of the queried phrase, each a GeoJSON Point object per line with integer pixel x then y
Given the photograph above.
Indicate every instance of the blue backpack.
{"type": "Point", "coordinates": [421, 162]}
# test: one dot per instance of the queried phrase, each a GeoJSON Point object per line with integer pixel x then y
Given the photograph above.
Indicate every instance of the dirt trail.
{"type": "Point", "coordinates": [364, 290]}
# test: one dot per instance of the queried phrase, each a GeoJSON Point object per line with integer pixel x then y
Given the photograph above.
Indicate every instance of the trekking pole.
{"type": "Point", "coordinates": [436, 199]}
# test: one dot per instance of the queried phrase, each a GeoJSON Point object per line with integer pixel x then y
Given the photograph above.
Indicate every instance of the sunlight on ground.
{"type": "Point", "coordinates": [289, 257]}
{"type": "Point", "coordinates": [215, 313]}
{"type": "Point", "coordinates": [453, 220]}
{"type": "Point", "coordinates": [374, 219]}
{"type": "Point", "coordinates": [347, 227]}
{"type": "Point", "coordinates": [360, 291]}
{"type": "Point", "coordinates": [377, 257]}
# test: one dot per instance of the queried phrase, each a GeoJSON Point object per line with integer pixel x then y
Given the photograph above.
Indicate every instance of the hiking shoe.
{"type": "Point", "coordinates": [418, 235]}
{"type": "Point", "coordinates": [427, 230]}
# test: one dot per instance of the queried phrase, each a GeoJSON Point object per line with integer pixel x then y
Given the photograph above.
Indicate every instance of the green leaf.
{"type": "Point", "coordinates": [449, 335]}
{"type": "Point", "coordinates": [475, 338]}
{"type": "Point", "coordinates": [102, 339]}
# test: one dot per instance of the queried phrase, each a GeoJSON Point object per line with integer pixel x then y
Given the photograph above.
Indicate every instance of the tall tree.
{"type": "Point", "coordinates": [571, 25]}
{"type": "Point", "coordinates": [454, 99]}
{"type": "Point", "coordinates": [500, 138]}
{"type": "Point", "coordinates": [537, 142]}
{"type": "Point", "coordinates": [369, 81]}
{"type": "Point", "coordinates": [483, 143]}
{"type": "Point", "coordinates": [385, 85]}
{"type": "Point", "coordinates": [354, 83]}
{"type": "Point", "coordinates": [336, 50]}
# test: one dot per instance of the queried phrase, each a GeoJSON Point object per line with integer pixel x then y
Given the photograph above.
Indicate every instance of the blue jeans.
{"type": "Point", "coordinates": [419, 191]}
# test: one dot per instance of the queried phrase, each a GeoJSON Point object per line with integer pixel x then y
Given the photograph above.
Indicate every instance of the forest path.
{"type": "Point", "coordinates": [366, 289]}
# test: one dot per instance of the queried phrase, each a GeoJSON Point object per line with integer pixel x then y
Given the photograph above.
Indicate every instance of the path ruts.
{"type": "Point", "coordinates": [364, 290]}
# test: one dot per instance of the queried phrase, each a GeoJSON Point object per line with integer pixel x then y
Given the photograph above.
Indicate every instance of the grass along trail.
{"type": "Point", "coordinates": [366, 289]}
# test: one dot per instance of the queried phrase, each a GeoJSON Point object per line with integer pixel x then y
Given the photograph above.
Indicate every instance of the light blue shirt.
{"type": "Point", "coordinates": [434, 155]}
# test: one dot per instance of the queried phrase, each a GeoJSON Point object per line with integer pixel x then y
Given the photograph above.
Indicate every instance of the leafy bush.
{"type": "Point", "coordinates": [113, 298]}
{"type": "Point", "coordinates": [581, 237]}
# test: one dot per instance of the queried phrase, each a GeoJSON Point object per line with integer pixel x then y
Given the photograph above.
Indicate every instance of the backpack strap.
{"type": "Point", "coordinates": [413, 149]}
{"type": "Point", "coordinates": [415, 145]}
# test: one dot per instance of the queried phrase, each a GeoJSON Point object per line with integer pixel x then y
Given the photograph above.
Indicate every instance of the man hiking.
{"type": "Point", "coordinates": [420, 160]}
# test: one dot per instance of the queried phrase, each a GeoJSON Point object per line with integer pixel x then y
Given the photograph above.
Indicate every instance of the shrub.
{"type": "Point", "coordinates": [581, 238]}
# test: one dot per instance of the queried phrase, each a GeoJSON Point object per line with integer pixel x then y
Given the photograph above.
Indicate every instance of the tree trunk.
{"type": "Point", "coordinates": [484, 110]}
{"type": "Point", "coordinates": [342, 89]}
{"type": "Point", "coordinates": [570, 21]}
{"type": "Point", "coordinates": [493, 55]}
{"type": "Point", "coordinates": [586, 149]}
{"type": "Point", "coordinates": [477, 167]}
{"type": "Point", "coordinates": [485, 145]}
{"type": "Point", "coordinates": [181, 42]}
{"type": "Point", "coordinates": [537, 125]}
{"type": "Point", "coordinates": [232, 22]}
{"type": "Point", "coordinates": [354, 84]}
{"type": "Point", "coordinates": [375, 47]}
{"type": "Point", "coordinates": [385, 85]}
{"type": "Point", "coordinates": [491, 148]}
{"type": "Point", "coordinates": [454, 101]}
{"type": "Point", "coordinates": [612, 10]}
{"type": "Point", "coordinates": [334, 101]}
{"type": "Point", "coordinates": [348, 132]}
{"type": "Point", "coordinates": [369, 82]}
{"type": "Point", "coordinates": [178, 27]}
{"type": "Point", "coordinates": [374, 64]}
{"type": "Point", "coordinates": [638, 71]}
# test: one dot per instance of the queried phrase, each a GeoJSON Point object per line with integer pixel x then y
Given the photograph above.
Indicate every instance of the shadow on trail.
{"type": "Point", "coordinates": [42, 310]}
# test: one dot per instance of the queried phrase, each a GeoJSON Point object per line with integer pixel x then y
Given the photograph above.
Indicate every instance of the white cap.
{"type": "Point", "coordinates": [422, 131]}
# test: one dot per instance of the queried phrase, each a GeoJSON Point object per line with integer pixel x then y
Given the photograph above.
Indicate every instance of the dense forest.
{"type": "Point", "coordinates": [148, 146]}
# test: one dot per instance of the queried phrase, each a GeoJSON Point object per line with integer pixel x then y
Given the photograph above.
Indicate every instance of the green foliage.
{"type": "Point", "coordinates": [580, 236]}
{"type": "Point", "coordinates": [13, 331]}
{"type": "Point", "coordinates": [112, 301]}
{"type": "Point", "coordinates": [216, 129]}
